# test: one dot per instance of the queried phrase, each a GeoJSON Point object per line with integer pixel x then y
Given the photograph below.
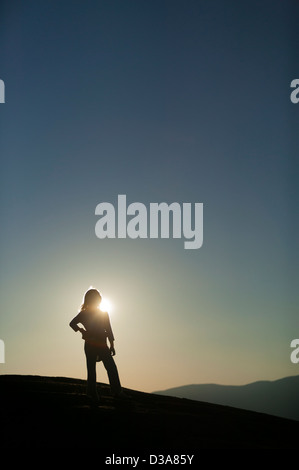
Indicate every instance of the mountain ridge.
{"type": "Point", "coordinates": [277, 397]}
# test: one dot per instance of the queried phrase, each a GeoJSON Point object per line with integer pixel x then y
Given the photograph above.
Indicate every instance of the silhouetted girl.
{"type": "Point", "coordinates": [97, 329]}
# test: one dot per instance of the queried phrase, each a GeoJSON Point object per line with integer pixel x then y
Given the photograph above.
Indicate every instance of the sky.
{"type": "Point", "coordinates": [161, 101]}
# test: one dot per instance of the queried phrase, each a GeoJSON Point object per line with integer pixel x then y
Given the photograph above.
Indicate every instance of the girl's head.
{"type": "Point", "coordinates": [92, 299]}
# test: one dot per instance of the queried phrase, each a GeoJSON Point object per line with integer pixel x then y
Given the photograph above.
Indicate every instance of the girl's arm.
{"type": "Point", "coordinates": [74, 324]}
{"type": "Point", "coordinates": [110, 335]}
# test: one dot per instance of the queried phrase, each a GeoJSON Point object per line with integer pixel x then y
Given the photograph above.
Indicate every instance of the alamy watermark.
{"type": "Point", "coordinates": [2, 352]}
{"type": "Point", "coordinates": [294, 96]}
{"type": "Point", "coordinates": [295, 352]}
{"type": "Point", "coordinates": [160, 220]}
{"type": "Point", "coordinates": [2, 91]}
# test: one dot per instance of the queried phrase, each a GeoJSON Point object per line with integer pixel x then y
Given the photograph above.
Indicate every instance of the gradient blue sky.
{"type": "Point", "coordinates": [185, 101]}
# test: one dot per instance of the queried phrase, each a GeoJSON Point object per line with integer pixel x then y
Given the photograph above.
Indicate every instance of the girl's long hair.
{"type": "Point", "coordinates": [92, 299]}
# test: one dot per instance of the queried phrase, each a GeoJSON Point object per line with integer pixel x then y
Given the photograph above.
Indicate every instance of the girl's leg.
{"type": "Point", "coordinates": [112, 372]}
{"type": "Point", "coordinates": [91, 374]}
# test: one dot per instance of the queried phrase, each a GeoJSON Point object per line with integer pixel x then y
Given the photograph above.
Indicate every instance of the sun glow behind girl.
{"type": "Point", "coordinates": [106, 305]}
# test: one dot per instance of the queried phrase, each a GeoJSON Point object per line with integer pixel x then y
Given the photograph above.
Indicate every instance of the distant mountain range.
{"type": "Point", "coordinates": [278, 397]}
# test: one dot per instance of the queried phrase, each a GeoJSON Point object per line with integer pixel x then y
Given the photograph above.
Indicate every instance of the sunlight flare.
{"type": "Point", "coordinates": [106, 305]}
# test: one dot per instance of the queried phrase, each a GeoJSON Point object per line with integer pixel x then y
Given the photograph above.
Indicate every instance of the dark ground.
{"type": "Point", "coordinates": [54, 412]}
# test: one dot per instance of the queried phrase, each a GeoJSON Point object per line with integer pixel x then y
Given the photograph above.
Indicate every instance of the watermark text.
{"type": "Point", "coordinates": [160, 220]}
{"type": "Point", "coordinates": [2, 352]}
{"type": "Point", "coordinates": [2, 91]}
{"type": "Point", "coordinates": [295, 93]}
{"type": "Point", "coordinates": [295, 352]}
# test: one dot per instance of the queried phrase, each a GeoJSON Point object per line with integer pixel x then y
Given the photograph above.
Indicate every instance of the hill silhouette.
{"type": "Point", "coordinates": [54, 412]}
{"type": "Point", "coordinates": [279, 397]}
